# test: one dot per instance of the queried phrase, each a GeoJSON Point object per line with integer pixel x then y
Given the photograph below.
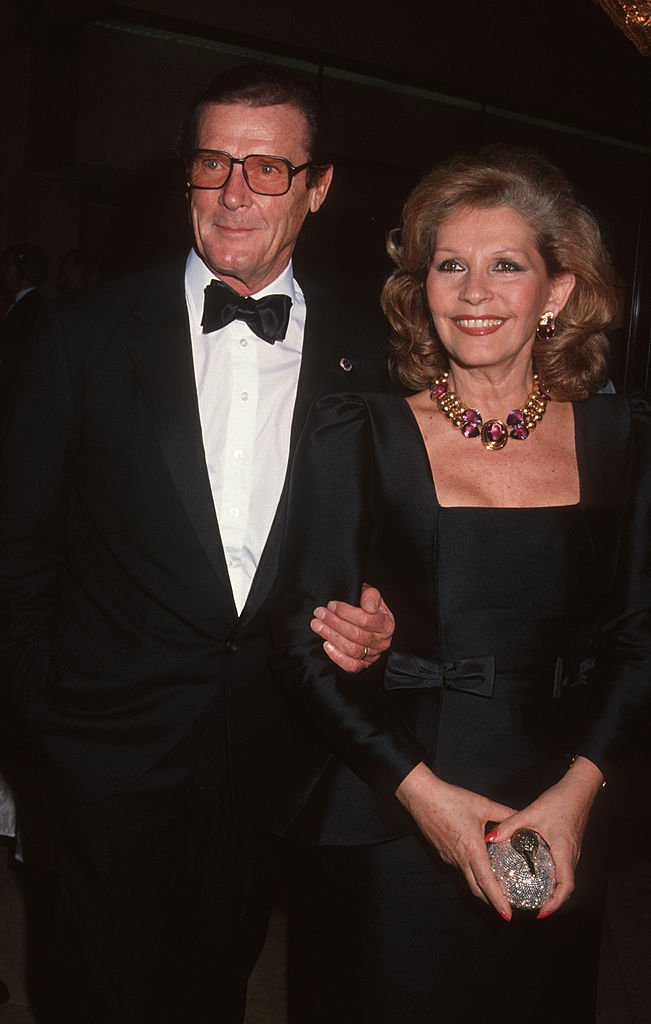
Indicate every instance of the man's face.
{"type": "Point", "coordinates": [248, 239]}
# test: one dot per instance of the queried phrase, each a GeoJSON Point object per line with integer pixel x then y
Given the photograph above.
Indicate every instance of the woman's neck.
{"type": "Point", "coordinates": [493, 391]}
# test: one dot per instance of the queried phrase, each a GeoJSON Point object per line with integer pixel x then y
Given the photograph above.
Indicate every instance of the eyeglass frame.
{"type": "Point", "coordinates": [292, 169]}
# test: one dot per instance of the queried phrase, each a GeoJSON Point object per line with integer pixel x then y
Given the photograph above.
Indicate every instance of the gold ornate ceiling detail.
{"type": "Point", "coordinates": [634, 19]}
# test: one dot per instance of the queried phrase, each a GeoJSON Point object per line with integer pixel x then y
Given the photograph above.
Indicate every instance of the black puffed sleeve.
{"type": "Point", "coordinates": [328, 532]}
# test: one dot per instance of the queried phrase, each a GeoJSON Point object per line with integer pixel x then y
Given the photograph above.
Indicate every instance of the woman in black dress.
{"type": "Point", "coordinates": [503, 511]}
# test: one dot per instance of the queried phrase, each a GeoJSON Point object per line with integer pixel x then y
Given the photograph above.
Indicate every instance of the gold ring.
{"type": "Point", "coordinates": [363, 657]}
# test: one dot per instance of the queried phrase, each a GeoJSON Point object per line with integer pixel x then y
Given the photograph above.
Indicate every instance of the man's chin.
{"type": "Point", "coordinates": [232, 275]}
{"type": "Point", "coordinates": [226, 264]}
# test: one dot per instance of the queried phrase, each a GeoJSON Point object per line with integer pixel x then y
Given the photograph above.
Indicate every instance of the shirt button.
{"type": "Point", "coordinates": [231, 645]}
{"type": "Point", "coordinates": [243, 343]}
{"type": "Point", "coordinates": [244, 396]}
{"type": "Point", "coordinates": [238, 455]}
{"type": "Point", "coordinates": [235, 512]}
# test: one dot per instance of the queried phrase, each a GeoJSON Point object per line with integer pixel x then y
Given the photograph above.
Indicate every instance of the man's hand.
{"type": "Point", "coordinates": [355, 637]}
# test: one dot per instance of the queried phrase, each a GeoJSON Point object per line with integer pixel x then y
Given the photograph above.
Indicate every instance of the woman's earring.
{"type": "Point", "coordinates": [546, 328]}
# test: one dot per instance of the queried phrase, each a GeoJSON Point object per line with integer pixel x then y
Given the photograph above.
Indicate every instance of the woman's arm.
{"type": "Point", "coordinates": [330, 523]}
{"type": "Point", "coordinates": [621, 681]}
{"type": "Point", "coordinates": [454, 821]}
{"type": "Point", "coordinates": [335, 508]}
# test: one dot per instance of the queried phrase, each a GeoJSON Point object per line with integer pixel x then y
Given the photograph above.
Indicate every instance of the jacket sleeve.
{"type": "Point", "coordinates": [35, 463]}
{"type": "Point", "coordinates": [622, 678]}
{"type": "Point", "coordinates": [331, 517]}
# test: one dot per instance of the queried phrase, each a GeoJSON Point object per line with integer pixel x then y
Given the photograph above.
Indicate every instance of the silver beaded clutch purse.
{"type": "Point", "coordinates": [524, 868]}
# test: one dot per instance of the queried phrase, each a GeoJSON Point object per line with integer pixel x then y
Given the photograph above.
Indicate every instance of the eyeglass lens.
{"type": "Point", "coordinates": [267, 175]}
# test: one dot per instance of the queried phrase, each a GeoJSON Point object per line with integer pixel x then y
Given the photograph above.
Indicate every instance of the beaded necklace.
{"type": "Point", "coordinates": [493, 433]}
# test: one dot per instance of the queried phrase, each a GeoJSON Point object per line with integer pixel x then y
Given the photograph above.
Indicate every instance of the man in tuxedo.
{"type": "Point", "coordinates": [142, 516]}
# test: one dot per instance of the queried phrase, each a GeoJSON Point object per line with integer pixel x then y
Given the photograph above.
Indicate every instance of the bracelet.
{"type": "Point", "coordinates": [573, 759]}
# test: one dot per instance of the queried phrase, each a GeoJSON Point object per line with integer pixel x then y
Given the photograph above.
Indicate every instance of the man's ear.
{"type": "Point", "coordinates": [319, 191]}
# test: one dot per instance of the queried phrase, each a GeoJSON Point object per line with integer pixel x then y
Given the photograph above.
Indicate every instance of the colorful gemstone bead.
{"type": "Point", "coordinates": [495, 430]}
{"type": "Point", "coordinates": [470, 430]}
{"type": "Point", "coordinates": [471, 422]}
{"type": "Point", "coordinates": [516, 420]}
{"type": "Point", "coordinates": [519, 432]}
{"type": "Point", "coordinates": [438, 390]}
{"type": "Point", "coordinates": [494, 435]}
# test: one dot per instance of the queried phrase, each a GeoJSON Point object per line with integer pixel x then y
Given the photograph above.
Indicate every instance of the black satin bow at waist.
{"type": "Point", "coordinates": [477, 675]}
{"type": "Point", "coordinates": [469, 675]}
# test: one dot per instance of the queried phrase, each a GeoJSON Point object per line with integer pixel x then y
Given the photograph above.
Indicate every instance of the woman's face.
{"type": "Point", "coordinates": [488, 286]}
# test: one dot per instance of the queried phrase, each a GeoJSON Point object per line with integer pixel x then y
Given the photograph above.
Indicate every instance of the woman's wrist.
{"type": "Point", "coordinates": [584, 772]}
{"type": "Point", "coordinates": [417, 785]}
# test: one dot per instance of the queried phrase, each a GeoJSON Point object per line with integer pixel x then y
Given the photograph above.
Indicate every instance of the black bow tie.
{"type": "Point", "coordinates": [267, 317]}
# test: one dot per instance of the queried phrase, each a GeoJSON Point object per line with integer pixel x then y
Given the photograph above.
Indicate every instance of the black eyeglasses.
{"type": "Point", "coordinates": [265, 175]}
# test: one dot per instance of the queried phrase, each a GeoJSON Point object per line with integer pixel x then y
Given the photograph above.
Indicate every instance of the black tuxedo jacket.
{"type": "Point", "coordinates": [118, 621]}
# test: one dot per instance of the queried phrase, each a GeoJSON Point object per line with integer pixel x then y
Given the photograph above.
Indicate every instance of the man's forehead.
{"type": "Point", "coordinates": [281, 122]}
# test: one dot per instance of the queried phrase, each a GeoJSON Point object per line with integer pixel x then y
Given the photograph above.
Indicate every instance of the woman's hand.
{"type": "Point", "coordinates": [355, 638]}
{"type": "Point", "coordinates": [454, 820]}
{"type": "Point", "coordinates": [560, 816]}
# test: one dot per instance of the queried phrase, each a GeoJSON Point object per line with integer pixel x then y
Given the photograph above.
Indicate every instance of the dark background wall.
{"type": "Point", "coordinates": [93, 95]}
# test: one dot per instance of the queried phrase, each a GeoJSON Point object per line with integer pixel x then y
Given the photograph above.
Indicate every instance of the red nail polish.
{"type": "Point", "coordinates": [491, 836]}
{"type": "Point", "coordinates": [505, 917]}
{"type": "Point", "coordinates": [542, 914]}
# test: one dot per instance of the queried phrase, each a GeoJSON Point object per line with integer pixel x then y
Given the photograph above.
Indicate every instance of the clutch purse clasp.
{"type": "Point", "coordinates": [524, 868]}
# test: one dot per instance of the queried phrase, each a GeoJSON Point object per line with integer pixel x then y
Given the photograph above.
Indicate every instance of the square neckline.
{"type": "Point", "coordinates": [519, 508]}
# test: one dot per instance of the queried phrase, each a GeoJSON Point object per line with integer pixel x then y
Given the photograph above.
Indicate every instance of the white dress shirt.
{"type": "Point", "coordinates": [247, 390]}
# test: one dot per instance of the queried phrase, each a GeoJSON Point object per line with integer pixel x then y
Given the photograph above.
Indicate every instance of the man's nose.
{"type": "Point", "coordinates": [236, 192]}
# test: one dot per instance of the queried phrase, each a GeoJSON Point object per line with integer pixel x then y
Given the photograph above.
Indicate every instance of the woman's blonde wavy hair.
{"type": "Point", "coordinates": [575, 362]}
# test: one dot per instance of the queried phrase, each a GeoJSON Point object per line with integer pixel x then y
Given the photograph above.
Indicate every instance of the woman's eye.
{"type": "Point", "coordinates": [450, 267]}
{"type": "Point", "coordinates": [507, 266]}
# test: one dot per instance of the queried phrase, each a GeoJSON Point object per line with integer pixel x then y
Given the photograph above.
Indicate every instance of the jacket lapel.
{"type": "Point", "coordinates": [161, 352]}
{"type": "Point", "coordinates": [335, 358]}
